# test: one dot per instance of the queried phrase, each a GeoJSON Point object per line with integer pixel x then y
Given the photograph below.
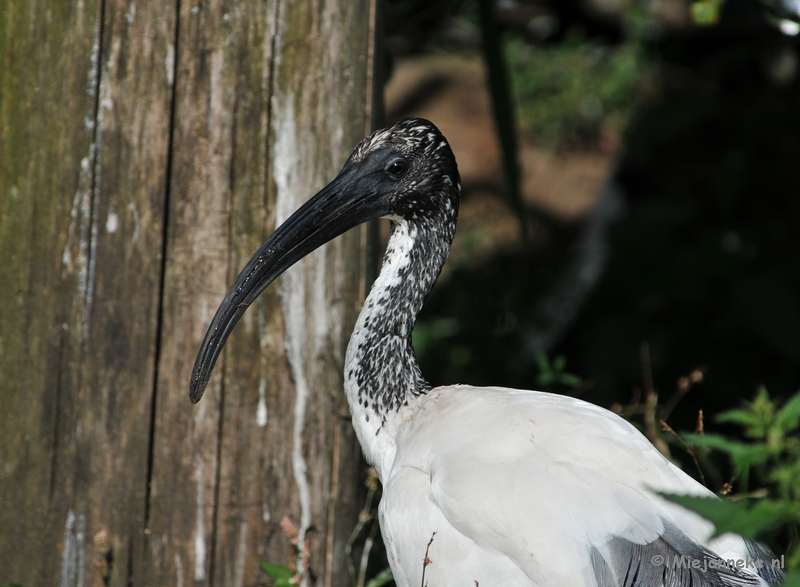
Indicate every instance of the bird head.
{"type": "Point", "coordinates": [405, 171]}
{"type": "Point", "coordinates": [413, 167]}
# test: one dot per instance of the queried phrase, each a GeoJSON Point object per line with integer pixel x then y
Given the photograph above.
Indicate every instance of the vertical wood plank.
{"type": "Point", "coordinates": [322, 87]}
{"type": "Point", "coordinates": [90, 207]}
{"type": "Point", "coordinates": [46, 94]}
{"type": "Point", "coordinates": [122, 122]}
{"type": "Point", "coordinates": [114, 402]}
{"type": "Point", "coordinates": [271, 98]}
{"type": "Point", "coordinates": [185, 443]}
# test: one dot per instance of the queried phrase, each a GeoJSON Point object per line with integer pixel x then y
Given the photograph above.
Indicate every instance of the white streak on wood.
{"type": "Point", "coordinates": [262, 414]}
{"type": "Point", "coordinates": [293, 298]}
{"type": "Point", "coordinates": [137, 222]}
{"type": "Point", "coordinates": [238, 571]}
{"type": "Point", "coordinates": [130, 16]}
{"type": "Point", "coordinates": [200, 415]}
{"type": "Point", "coordinates": [112, 222]}
{"type": "Point", "coordinates": [81, 213]}
{"type": "Point", "coordinates": [94, 74]}
{"type": "Point", "coordinates": [106, 103]}
{"type": "Point", "coordinates": [285, 158]}
{"type": "Point", "coordinates": [92, 245]}
{"type": "Point", "coordinates": [200, 533]}
{"type": "Point", "coordinates": [261, 411]}
{"type": "Point", "coordinates": [80, 209]}
{"type": "Point", "coordinates": [73, 557]}
{"type": "Point", "coordinates": [169, 64]}
{"type": "Point", "coordinates": [179, 579]}
{"type": "Point", "coordinates": [80, 216]}
{"type": "Point", "coordinates": [91, 209]}
{"type": "Point", "coordinates": [320, 311]}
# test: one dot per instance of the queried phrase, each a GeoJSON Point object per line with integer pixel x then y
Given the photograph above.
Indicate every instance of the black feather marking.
{"type": "Point", "coordinates": [673, 560]}
{"type": "Point", "coordinates": [425, 205]}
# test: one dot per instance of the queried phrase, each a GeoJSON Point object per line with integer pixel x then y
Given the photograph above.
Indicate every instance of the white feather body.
{"type": "Point", "coordinates": [519, 485]}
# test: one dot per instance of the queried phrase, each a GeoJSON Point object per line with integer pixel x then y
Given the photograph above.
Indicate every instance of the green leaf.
{"type": "Point", "coordinates": [544, 363]}
{"type": "Point", "coordinates": [280, 574]}
{"type": "Point", "coordinates": [546, 374]}
{"type": "Point", "coordinates": [789, 417]}
{"type": "Point", "coordinates": [792, 580]}
{"type": "Point", "coordinates": [570, 379]}
{"type": "Point", "coordinates": [381, 578]}
{"type": "Point", "coordinates": [738, 517]}
{"type": "Point", "coordinates": [706, 12]}
{"type": "Point", "coordinates": [743, 455]}
{"type": "Point", "coordinates": [743, 417]}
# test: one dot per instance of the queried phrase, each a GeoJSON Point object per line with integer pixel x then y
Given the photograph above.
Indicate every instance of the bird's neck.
{"type": "Point", "coordinates": [382, 376]}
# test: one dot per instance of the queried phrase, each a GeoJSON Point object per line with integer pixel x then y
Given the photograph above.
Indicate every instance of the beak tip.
{"type": "Point", "coordinates": [196, 389]}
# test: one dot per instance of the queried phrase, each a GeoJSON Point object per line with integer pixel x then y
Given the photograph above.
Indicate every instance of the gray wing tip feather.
{"type": "Point", "coordinates": [674, 560]}
{"type": "Point", "coordinates": [772, 574]}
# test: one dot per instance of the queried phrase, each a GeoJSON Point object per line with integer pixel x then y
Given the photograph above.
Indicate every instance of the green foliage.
{"type": "Point", "coordinates": [382, 578]}
{"type": "Point", "coordinates": [748, 518]}
{"type": "Point", "coordinates": [774, 450]}
{"type": "Point", "coordinates": [706, 12]}
{"type": "Point", "coordinates": [555, 372]}
{"type": "Point", "coordinates": [568, 92]}
{"type": "Point", "coordinates": [742, 455]}
{"type": "Point", "coordinates": [771, 457]}
{"type": "Point", "coordinates": [281, 575]}
{"type": "Point", "coordinates": [427, 334]}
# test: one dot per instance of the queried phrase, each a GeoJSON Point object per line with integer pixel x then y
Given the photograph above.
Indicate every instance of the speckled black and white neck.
{"type": "Point", "coordinates": [382, 377]}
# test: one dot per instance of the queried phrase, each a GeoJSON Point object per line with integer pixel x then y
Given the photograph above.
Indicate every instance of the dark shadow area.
{"type": "Point", "coordinates": [704, 263]}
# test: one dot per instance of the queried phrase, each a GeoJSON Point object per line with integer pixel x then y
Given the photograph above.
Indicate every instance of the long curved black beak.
{"type": "Point", "coordinates": [349, 200]}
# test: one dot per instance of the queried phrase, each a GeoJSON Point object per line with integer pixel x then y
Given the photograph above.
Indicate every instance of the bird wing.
{"type": "Point", "coordinates": [564, 489]}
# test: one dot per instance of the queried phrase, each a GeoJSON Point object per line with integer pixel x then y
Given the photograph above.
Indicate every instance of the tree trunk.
{"type": "Point", "coordinates": [146, 151]}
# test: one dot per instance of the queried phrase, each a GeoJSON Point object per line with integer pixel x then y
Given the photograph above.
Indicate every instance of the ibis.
{"type": "Point", "coordinates": [482, 486]}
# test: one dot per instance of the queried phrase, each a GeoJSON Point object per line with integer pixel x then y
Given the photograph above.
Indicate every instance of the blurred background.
{"type": "Point", "coordinates": [628, 226]}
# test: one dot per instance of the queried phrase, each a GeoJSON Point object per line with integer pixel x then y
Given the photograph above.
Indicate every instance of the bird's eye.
{"type": "Point", "coordinates": [397, 168]}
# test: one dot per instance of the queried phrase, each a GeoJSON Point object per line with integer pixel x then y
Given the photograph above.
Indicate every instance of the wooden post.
{"type": "Point", "coordinates": [146, 150]}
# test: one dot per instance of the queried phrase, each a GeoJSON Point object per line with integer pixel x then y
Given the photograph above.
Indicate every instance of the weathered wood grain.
{"type": "Point", "coordinates": [317, 114]}
{"type": "Point", "coordinates": [45, 85]}
{"type": "Point", "coordinates": [271, 97]}
{"type": "Point", "coordinates": [86, 111]}
{"type": "Point", "coordinates": [146, 150]}
{"type": "Point", "coordinates": [128, 215]}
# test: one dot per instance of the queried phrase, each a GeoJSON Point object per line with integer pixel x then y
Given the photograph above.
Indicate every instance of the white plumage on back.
{"type": "Point", "coordinates": [524, 483]}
